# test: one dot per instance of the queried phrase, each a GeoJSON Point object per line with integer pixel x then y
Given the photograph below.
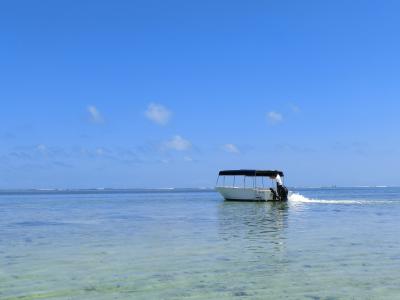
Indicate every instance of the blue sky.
{"type": "Point", "coordinates": [166, 93]}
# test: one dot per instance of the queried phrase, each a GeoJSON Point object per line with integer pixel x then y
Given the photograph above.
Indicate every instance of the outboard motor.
{"type": "Point", "coordinates": [282, 192]}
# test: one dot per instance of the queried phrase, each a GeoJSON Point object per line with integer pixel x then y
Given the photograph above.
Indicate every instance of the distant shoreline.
{"type": "Point", "coordinates": [151, 190]}
{"type": "Point", "coordinates": [100, 191]}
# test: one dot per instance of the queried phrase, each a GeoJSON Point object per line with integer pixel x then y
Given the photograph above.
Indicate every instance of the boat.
{"type": "Point", "coordinates": [251, 185]}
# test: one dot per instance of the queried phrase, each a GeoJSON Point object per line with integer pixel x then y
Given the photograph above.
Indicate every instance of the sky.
{"type": "Point", "coordinates": [130, 94]}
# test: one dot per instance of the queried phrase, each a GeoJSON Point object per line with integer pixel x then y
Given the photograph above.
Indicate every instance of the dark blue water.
{"type": "Point", "coordinates": [340, 243]}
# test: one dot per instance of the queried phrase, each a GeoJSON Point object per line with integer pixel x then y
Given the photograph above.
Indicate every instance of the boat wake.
{"type": "Point", "coordinates": [298, 198]}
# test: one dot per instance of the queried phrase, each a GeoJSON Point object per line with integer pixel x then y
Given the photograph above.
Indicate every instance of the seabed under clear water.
{"type": "Point", "coordinates": [341, 243]}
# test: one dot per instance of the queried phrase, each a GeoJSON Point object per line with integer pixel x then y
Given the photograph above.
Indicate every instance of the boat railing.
{"type": "Point", "coordinates": [253, 183]}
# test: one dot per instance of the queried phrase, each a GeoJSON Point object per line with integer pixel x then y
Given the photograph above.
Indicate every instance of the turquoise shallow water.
{"type": "Point", "coordinates": [341, 243]}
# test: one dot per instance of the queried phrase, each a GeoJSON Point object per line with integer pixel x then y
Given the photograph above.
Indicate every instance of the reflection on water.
{"type": "Point", "coordinates": [259, 226]}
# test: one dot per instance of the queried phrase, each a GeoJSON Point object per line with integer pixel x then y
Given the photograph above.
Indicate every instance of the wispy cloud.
{"type": "Point", "coordinates": [7, 136]}
{"type": "Point", "coordinates": [274, 117]}
{"type": "Point", "coordinates": [294, 108]}
{"type": "Point", "coordinates": [100, 151]}
{"type": "Point", "coordinates": [41, 148]}
{"type": "Point", "coordinates": [287, 147]}
{"type": "Point", "coordinates": [356, 147]}
{"type": "Point", "coordinates": [178, 143]}
{"type": "Point", "coordinates": [94, 114]}
{"type": "Point", "coordinates": [158, 114]}
{"type": "Point", "coordinates": [56, 156]}
{"type": "Point", "coordinates": [231, 148]}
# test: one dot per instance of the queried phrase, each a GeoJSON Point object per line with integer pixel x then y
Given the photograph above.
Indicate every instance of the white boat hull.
{"type": "Point", "coordinates": [245, 194]}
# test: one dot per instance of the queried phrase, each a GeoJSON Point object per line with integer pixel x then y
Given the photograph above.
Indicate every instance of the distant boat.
{"type": "Point", "coordinates": [251, 185]}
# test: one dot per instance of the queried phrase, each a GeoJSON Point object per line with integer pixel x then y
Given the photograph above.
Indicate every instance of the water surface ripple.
{"type": "Point", "coordinates": [339, 243]}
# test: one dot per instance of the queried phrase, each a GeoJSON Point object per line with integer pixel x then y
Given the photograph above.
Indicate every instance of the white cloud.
{"type": "Point", "coordinates": [158, 114]}
{"type": "Point", "coordinates": [231, 148]}
{"type": "Point", "coordinates": [95, 115]}
{"type": "Point", "coordinates": [41, 148]}
{"type": "Point", "coordinates": [188, 158]}
{"type": "Point", "coordinates": [178, 143]}
{"type": "Point", "coordinates": [100, 151]}
{"type": "Point", "coordinates": [274, 117]}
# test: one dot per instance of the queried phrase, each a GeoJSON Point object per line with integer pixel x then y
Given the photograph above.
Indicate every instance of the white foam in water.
{"type": "Point", "coordinates": [295, 197]}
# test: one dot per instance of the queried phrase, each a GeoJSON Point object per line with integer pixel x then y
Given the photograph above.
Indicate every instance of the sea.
{"type": "Point", "coordinates": [324, 243]}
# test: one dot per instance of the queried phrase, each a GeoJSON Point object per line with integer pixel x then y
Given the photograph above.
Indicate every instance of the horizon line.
{"type": "Point", "coordinates": [167, 189]}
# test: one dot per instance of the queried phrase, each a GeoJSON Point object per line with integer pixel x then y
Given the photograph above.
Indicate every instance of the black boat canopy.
{"type": "Point", "coordinates": [268, 173]}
